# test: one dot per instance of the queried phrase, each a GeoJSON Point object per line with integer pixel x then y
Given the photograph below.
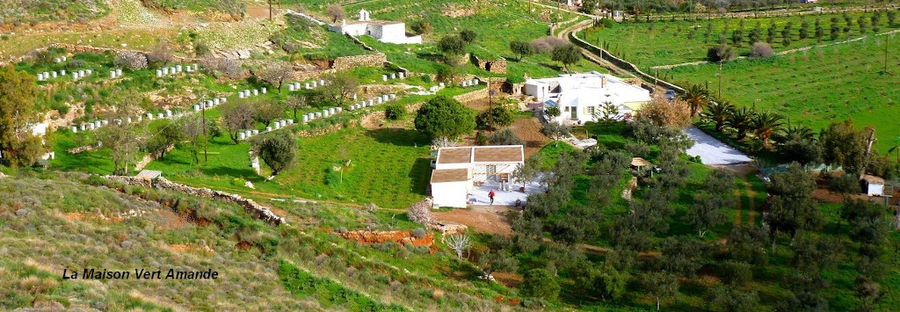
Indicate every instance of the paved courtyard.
{"type": "Point", "coordinates": [713, 151]}
{"type": "Point", "coordinates": [479, 196]}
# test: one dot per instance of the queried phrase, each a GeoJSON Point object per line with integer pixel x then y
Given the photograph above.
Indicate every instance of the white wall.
{"type": "Point", "coordinates": [875, 189]}
{"type": "Point", "coordinates": [450, 194]}
{"type": "Point", "coordinates": [479, 170]}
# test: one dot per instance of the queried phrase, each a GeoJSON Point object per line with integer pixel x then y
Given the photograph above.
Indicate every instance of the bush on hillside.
{"type": "Point", "coordinates": [846, 184]}
{"type": "Point", "coordinates": [394, 111]}
{"type": "Point", "coordinates": [545, 45]}
{"type": "Point", "coordinates": [505, 137]}
{"type": "Point", "coordinates": [131, 60]}
{"type": "Point", "coordinates": [762, 49]}
{"type": "Point", "coordinates": [721, 53]}
{"type": "Point", "coordinates": [540, 283]}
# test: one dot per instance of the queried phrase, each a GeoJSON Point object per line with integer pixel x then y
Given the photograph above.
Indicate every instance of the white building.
{"type": "Point", "coordinates": [460, 170]}
{"type": "Point", "coordinates": [873, 186]}
{"type": "Point", "coordinates": [384, 31]}
{"type": "Point", "coordinates": [583, 97]}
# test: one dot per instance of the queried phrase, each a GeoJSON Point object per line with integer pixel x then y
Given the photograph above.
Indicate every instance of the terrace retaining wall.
{"type": "Point", "coordinates": [573, 36]}
{"type": "Point", "coordinates": [256, 210]}
{"type": "Point", "coordinates": [349, 62]}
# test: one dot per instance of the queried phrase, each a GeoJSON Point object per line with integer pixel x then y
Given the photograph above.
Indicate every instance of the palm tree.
{"type": "Point", "coordinates": [718, 112]}
{"type": "Point", "coordinates": [742, 121]}
{"type": "Point", "coordinates": [765, 124]}
{"type": "Point", "coordinates": [792, 132]}
{"type": "Point", "coordinates": [696, 96]}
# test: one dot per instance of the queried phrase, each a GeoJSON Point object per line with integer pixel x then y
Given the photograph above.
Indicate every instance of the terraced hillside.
{"type": "Point", "coordinates": [50, 223]}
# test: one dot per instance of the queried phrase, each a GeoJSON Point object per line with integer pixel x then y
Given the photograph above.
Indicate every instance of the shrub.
{"type": "Point", "coordinates": [545, 45]}
{"type": "Point", "coordinates": [131, 60]}
{"type": "Point", "coordinates": [502, 117]}
{"type": "Point", "coordinates": [76, 64]}
{"type": "Point", "coordinates": [761, 49]}
{"type": "Point", "coordinates": [505, 137]}
{"type": "Point", "coordinates": [721, 53]}
{"type": "Point", "coordinates": [394, 111]}
{"type": "Point", "coordinates": [421, 27]}
{"type": "Point", "coordinates": [480, 138]}
{"type": "Point", "coordinates": [735, 273]}
{"type": "Point", "coordinates": [846, 183]}
{"type": "Point", "coordinates": [418, 233]}
{"type": "Point", "coordinates": [541, 284]}
{"type": "Point", "coordinates": [664, 113]}
{"type": "Point", "coordinates": [161, 53]}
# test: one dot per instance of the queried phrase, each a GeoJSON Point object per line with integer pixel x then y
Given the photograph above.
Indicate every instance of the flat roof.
{"type": "Point", "coordinates": [449, 175]}
{"type": "Point", "coordinates": [493, 153]}
{"type": "Point", "coordinates": [454, 155]}
{"type": "Point", "coordinates": [473, 154]}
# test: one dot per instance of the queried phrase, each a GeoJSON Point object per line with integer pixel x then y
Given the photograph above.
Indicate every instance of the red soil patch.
{"type": "Point", "coordinates": [401, 237]}
{"type": "Point", "coordinates": [485, 219]}
{"type": "Point", "coordinates": [168, 220]}
{"type": "Point", "coordinates": [508, 279]}
{"type": "Point", "coordinates": [242, 246]}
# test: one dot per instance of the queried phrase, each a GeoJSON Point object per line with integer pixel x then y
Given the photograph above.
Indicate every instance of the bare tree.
{"type": "Point", "coordinates": [336, 12]}
{"type": "Point", "coordinates": [131, 60]}
{"type": "Point", "coordinates": [193, 129]}
{"type": "Point", "coordinates": [266, 110]}
{"type": "Point", "coordinates": [341, 87]}
{"type": "Point", "coordinates": [458, 242]}
{"type": "Point", "coordinates": [298, 102]}
{"type": "Point", "coordinates": [276, 73]}
{"type": "Point", "coordinates": [222, 66]}
{"type": "Point", "coordinates": [237, 116]}
{"type": "Point", "coordinates": [161, 53]}
{"type": "Point", "coordinates": [124, 143]}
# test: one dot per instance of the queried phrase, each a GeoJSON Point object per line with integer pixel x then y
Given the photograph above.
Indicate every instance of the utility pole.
{"type": "Point", "coordinates": [205, 144]}
{"type": "Point", "coordinates": [720, 80]}
{"type": "Point", "coordinates": [886, 43]}
{"type": "Point", "coordinates": [491, 106]}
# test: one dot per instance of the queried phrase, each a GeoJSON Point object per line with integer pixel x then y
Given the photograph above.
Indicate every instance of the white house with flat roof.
{"type": "Point", "coordinates": [458, 171]}
{"type": "Point", "coordinates": [384, 31]}
{"type": "Point", "coordinates": [583, 97]}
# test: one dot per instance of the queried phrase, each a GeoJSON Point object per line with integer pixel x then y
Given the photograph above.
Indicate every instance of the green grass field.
{"type": "Point", "coordinates": [452, 16]}
{"type": "Point", "coordinates": [665, 43]}
{"type": "Point", "coordinates": [815, 87]}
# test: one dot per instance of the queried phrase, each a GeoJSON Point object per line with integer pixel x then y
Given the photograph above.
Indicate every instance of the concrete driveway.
{"type": "Point", "coordinates": [713, 151]}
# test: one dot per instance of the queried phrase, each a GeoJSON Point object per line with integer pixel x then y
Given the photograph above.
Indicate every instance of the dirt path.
{"type": "Point", "coordinates": [485, 219]}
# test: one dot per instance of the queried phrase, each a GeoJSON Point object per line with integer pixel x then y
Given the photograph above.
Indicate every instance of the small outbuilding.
{"type": "Point", "coordinates": [148, 174]}
{"type": "Point", "coordinates": [459, 171]}
{"type": "Point", "coordinates": [872, 185]}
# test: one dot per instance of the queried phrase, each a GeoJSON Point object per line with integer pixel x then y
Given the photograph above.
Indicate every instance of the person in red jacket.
{"type": "Point", "coordinates": [491, 195]}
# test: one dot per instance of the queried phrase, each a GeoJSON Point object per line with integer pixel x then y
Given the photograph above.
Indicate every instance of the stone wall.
{"type": "Point", "coordinates": [400, 237]}
{"type": "Point", "coordinates": [350, 62]}
{"type": "Point", "coordinates": [573, 36]}
{"type": "Point", "coordinates": [495, 66]}
{"type": "Point", "coordinates": [472, 96]}
{"type": "Point", "coordinates": [256, 210]}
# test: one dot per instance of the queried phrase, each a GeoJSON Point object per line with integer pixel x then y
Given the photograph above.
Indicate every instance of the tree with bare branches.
{"type": "Point", "coordinates": [336, 12]}
{"type": "Point", "coordinates": [458, 242]}
{"type": "Point", "coordinates": [276, 73]}
{"type": "Point", "coordinates": [237, 116]}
